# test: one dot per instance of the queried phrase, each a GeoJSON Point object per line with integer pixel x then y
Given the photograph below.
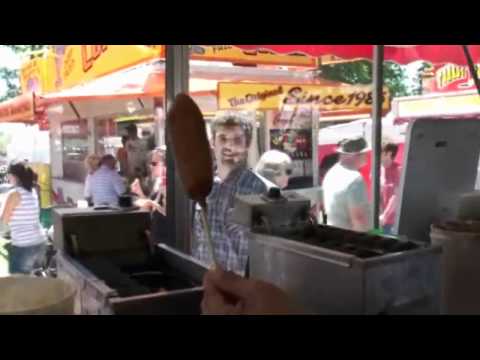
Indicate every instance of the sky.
{"type": "Point", "coordinates": [10, 60]}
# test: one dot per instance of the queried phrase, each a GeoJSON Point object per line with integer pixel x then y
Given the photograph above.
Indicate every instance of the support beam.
{"type": "Point", "coordinates": [377, 68]}
{"type": "Point", "coordinates": [178, 205]}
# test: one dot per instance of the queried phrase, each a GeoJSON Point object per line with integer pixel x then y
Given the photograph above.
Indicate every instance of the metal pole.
{"type": "Point", "coordinates": [377, 131]}
{"type": "Point", "coordinates": [315, 119]}
{"type": "Point", "coordinates": [178, 204]}
{"type": "Point", "coordinates": [472, 68]}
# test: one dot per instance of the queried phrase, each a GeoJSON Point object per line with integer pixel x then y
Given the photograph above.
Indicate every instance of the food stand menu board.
{"type": "Point", "coordinates": [297, 143]}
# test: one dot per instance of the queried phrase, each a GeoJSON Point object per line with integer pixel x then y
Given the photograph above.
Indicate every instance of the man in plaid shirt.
{"type": "Point", "coordinates": [231, 135]}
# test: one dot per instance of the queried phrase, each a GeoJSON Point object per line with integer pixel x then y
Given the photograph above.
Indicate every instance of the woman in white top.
{"type": "Point", "coordinates": [21, 212]}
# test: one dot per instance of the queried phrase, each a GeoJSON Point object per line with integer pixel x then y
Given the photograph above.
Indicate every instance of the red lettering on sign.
{"type": "Point", "coordinates": [90, 53]}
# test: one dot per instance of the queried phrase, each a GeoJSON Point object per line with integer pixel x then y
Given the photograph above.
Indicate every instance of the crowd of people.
{"type": "Point", "coordinates": [140, 171]}
{"type": "Point", "coordinates": [346, 203]}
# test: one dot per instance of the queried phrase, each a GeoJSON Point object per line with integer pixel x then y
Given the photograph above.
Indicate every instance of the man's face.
{"type": "Point", "coordinates": [230, 145]}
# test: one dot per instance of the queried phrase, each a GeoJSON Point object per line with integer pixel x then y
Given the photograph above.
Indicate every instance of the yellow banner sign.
{"type": "Point", "coordinates": [36, 75]}
{"type": "Point", "coordinates": [235, 55]}
{"type": "Point", "coordinates": [70, 65]}
{"type": "Point", "coordinates": [254, 96]}
{"type": "Point", "coordinates": [77, 64]}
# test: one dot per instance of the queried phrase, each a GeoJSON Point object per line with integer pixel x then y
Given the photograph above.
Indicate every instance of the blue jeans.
{"type": "Point", "coordinates": [388, 229]}
{"type": "Point", "coordinates": [22, 260]}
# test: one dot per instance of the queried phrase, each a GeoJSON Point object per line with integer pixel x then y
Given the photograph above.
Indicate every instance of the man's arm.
{"type": "Point", "coordinates": [226, 293]}
{"type": "Point", "coordinates": [358, 205]}
{"type": "Point", "coordinates": [87, 192]}
{"type": "Point", "coordinates": [118, 184]}
{"type": "Point", "coordinates": [136, 188]}
{"type": "Point", "coordinates": [359, 218]}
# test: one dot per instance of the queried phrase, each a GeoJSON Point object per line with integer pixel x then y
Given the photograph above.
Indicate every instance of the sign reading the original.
{"type": "Point", "coordinates": [254, 96]}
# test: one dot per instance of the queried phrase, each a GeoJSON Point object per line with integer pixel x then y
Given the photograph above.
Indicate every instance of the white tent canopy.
{"type": "Point", "coordinates": [363, 127]}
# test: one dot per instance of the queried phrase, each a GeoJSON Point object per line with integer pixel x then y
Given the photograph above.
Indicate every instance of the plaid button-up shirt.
{"type": "Point", "coordinates": [229, 240]}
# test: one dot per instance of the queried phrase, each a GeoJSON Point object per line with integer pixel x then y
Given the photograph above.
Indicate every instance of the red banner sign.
{"type": "Point", "coordinates": [450, 77]}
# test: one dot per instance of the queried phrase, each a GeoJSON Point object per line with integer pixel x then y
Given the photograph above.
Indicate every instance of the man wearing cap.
{"type": "Point", "coordinates": [344, 190]}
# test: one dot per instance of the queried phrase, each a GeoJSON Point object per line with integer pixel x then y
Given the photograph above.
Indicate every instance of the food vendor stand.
{"type": "Point", "coordinates": [65, 105]}
{"type": "Point", "coordinates": [83, 117]}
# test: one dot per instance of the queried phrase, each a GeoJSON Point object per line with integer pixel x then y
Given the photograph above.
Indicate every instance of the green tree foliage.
{"type": "Point", "coordinates": [10, 76]}
{"type": "Point", "coordinates": [360, 72]}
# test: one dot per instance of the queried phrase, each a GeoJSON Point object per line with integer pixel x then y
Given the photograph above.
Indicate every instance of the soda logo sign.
{"type": "Point", "coordinates": [90, 53]}
{"type": "Point", "coordinates": [450, 74]}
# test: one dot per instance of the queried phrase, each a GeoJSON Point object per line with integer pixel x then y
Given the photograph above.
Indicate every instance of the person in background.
{"type": "Point", "coordinates": [92, 163]}
{"type": "Point", "coordinates": [344, 190]}
{"type": "Point", "coordinates": [137, 153]}
{"type": "Point", "coordinates": [122, 157]}
{"type": "Point", "coordinates": [327, 163]}
{"type": "Point", "coordinates": [105, 185]}
{"type": "Point", "coordinates": [156, 199]}
{"type": "Point", "coordinates": [149, 139]}
{"type": "Point", "coordinates": [274, 168]}
{"type": "Point", "coordinates": [390, 182]}
{"type": "Point", "coordinates": [231, 136]}
{"type": "Point", "coordinates": [21, 211]}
